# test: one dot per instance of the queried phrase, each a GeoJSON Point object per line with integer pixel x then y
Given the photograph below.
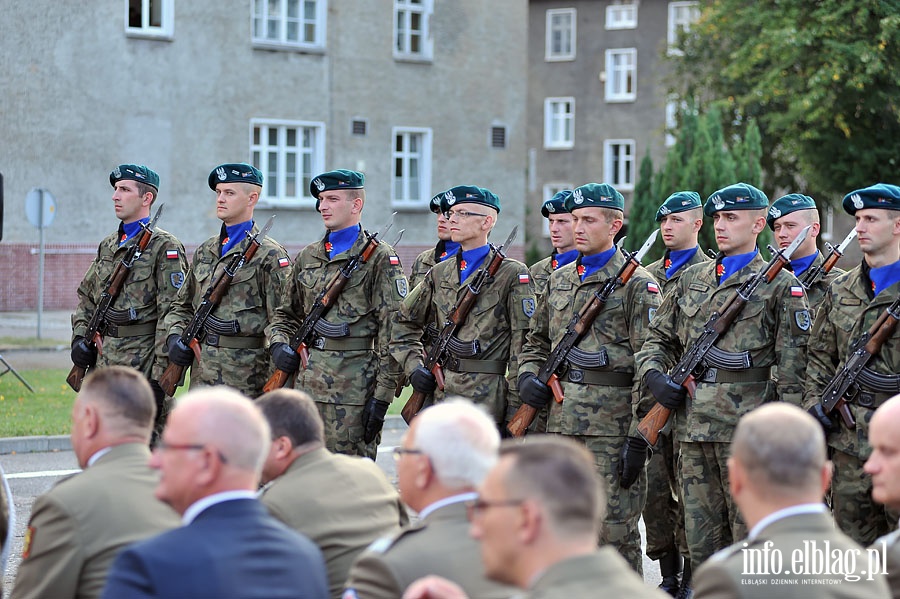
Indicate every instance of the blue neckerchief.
{"type": "Point", "coordinates": [884, 276]}
{"type": "Point", "coordinates": [675, 259]}
{"type": "Point", "coordinates": [129, 230]}
{"type": "Point", "coordinates": [731, 264]}
{"type": "Point", "coordinates": [560, 260]}
{"type": "Point", "coordinates": [801, 265]}
{"type": "Point", "coordinates": [338, 242]}
{"type": "Point", "coordinates": [470, 260]}
{"type": "Point", "coordinates": [588, 265]}
{"type": "Point", "coordinates": [449, 249]}
{"type": "Point", "coordinates": [233, 235]}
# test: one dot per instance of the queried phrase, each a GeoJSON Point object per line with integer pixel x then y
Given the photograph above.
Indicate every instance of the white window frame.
{"type": "Point", "coordinates": [259, 11]}
{"type": "Point", "coordinates": [550, 190]}
{"type": "Point", "coordinates": [551, 27]}
{"type": "Point", "coordinates": [423, 156]}
{"type": "Point", "coordinates": [404, 10]}
{"type": "Point", "coordinates": [618, 75]}
{"type": "Point", "coordinates": [259, 157]}
{"type": "Point", "coordinates": [681, 16]}
{"type": "Point", "coordinates": [164, 31]}
{"type": "Point", "coordinates": [556, 121]}
{"type": "Point", "coordinates": [622, 15]}
{"type": "Point", "coordinates": [671, 122]}
{"type": "Point", "coordinates": [616, 173]}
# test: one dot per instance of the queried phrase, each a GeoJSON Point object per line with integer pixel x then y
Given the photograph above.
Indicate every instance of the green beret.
{"type": "Point", "coordinates": [880, 195]}
{"type": "Point", "coordinates": [557, 203]}
{"type": "Point", "coordinates": [740, 196]}
{"type": "Point", "coordinates": [603, 195]}
{"type": "Point", "coordinates": [680, 201]}
{"type": "Point", "coordinates": [470, 194]}
{"type": "Point", "coordinates": [435, 204]}
{"type": "Point", "coordinates": [792, 202]}
{"type": "Point", "coordinates": [134, 172]}
{"type": "Point", "coordinates": [336, 179]}
{"type": "Point", "coordinates": [235, 173]}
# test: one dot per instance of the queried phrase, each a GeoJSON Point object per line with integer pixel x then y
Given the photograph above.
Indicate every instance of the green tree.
{"type": "Point", "coordinates": [642, 219]}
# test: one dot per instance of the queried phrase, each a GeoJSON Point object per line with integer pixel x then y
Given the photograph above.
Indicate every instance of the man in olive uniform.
{"type": "Point", "coordinates": [78, 527]}
{"type": "Point", "coordinates": [853, 302]}
{"type": "Point", "coordinates": [562, 238]}
{"type": "Point", "coordinates": [350, 373]}
{"type": "Point", "coordinates": [305, 482]}
{"type": "Point", "coordinates": [680, 218]}
{"type": "Point", "coordinates": [134, 335]}
{"type": "Point", "coordinates": [598, 383]}
{"type": "Point", "coordinates": [787, 216]}
{"type": "Point", "coordinates": [232, 347]}
{"type": "Point", "coordinates": [883, 466]}
{"type": "Point", "coordinates": [771, 330]}
{"type": "Point", "coordinates": [445, 248]}
{"type": "Point", "coordinates": [442, 458]}
{"type": "Point", "coordinates": [484, 354]}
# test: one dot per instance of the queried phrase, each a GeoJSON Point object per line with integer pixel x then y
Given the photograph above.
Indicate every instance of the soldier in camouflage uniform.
{"type": "Point", "coordinates": [444, 249]}
{"type": "Point", "coordinates": [233, 344]}
{"type": "Point", "coordinates": [135, 335]}
{"type": "Point", "coordinates": [484, 355]}
{"type": "Point", "coordinates": [350, 373]}
{"type": "Point", "coordinates": [772, 329]}
{"type": "Point", "coordinates": [598, 384]}
{"type": "Point", "coordinates": [680, 218]}
{"type": "Point", "coordinates": [853, 302]}
{"type": "Point", "coordinates": [562, 238]}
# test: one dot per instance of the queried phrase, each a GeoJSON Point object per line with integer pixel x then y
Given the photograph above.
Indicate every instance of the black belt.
{"type": "Point", "coordinates": [600, 377]}
{"type": "Point", "coordinates": [747, 375]}
{"type": "Point", "coordinates": [345, 344]}
{"type": "Point", "coordinates": [227, 342]}
{"type": "Point", "coordinates": [130, 330]}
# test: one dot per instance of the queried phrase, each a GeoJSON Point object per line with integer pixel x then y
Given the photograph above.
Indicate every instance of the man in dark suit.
{"type": "Point", "coordinates": [883, 466]}
{"type": "Point", "coordinates": [210, 458]}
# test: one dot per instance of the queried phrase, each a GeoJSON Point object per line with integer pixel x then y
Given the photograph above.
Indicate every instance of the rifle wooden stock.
{"type": "Point", "coordinates": [76, 376]}
{"type": "Point", "coordinates": [521, 420]}
{"type": "Point", "coordinates": [276, 381]}
{"type": "Point", "coordinates": [653, 423]}
{"type": "Point", "coordinates": [556, 388]}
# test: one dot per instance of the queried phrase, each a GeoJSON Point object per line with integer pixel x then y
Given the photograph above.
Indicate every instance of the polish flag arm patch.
{"type": "Point", "coordinates": [284, 262]}
{"type": "Point", "coordinates": [796, 291]}
{"type": "Point", "coordinates": [171, 254]}
{"type": "Point", "coordinates": [652, 287]}
{"type": "Point", "coordinates": [395, 261]}
{"type": "Point", "coordinates": [524, 278]}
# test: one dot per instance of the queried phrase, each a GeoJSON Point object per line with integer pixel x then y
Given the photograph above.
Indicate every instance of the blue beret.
{"type": "Point", "coordinates": [792, 202]}
{"type": "Point", "coordinates": [603, 195]}
{"type": "Point", "coordinates": [680, 201]}
{"type": "Point", "coordinates": [235, 173]}
{"type": "Point", "coordinates": [556, 204]}
{"type": "Point", "coordinates": [336, 179]}
{"type": "Point", "coordinates": [880, 195]}
{"type": "Point", "coordinates": [470, 194]}
{"type": "Point", "coordinates": [134, 172]}
{"type": "Point", "coordinates": [740, 196]}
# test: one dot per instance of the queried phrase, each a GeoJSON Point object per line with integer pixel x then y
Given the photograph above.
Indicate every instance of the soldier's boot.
{"type": "Point", "coordinates": [686, 591]}
{"type": "Point", "coordinates": [670, 568]}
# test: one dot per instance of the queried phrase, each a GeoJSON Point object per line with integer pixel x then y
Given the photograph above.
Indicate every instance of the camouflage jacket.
{"type": "Point", "coordinates": [658, 270]}
{"type": "Point", "coordinates": [149, 290]}
{"type": "Point", "coordinates": [366, 306]}
{"type": "Point", "coordinates": [593, 409]}
{"type": "Point", "coordinates": [816, 293]}
{"type": "Point", "coordinates": [844, 315]}
{"type": "Point", "coordinates": [540, 274]}
{"type": "Point", "coordinates": [773, 327]}
{"type": "Point", "coordinates": [498, 320]}
{"type": "Point", "coordinates": [424, 262]}
{"type": "Point", "coordinates": [250, 303]}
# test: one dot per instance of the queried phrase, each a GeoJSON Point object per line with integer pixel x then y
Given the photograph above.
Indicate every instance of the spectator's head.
{"type": "Point", "coordinates": [296, 429]}
{"type": "Point", "coordinates": [884, 463]}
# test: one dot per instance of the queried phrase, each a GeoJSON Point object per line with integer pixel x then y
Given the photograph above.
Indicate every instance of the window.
{"type": "Point", "coordinates": [359, 127]}
{"type": "Point", "coordinates": [289, 154]}
{"type": "Point", "coordinates": [149, 18]}
{"type": "Point", "coordinates": [621, 16]}
{"type": "Point", "coordinates": [618, 163]}
{"type": "Point", "coordinates": [621, 70]}
{"type": "Point", "coordinates": [498, 136]}
{"type": "Point", "coordinates": [292, 24]}
{"type": "Point", "coordinates": [681, 16]}
{"type": "Point", "coordinates": [559, 123]}
{"type": "Point", "coordinates": [411, 180]}
{"type": "Point", "coordinates": [560, 38]}
{"type": "Point", "coordinates": [671, 122]}
{"type": "Point", "coordinates": [412, 29]}
{"type": "Point", "coordinates": [550, 190]}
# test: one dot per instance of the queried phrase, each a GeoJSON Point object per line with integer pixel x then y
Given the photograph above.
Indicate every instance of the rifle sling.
{"type": "Point", "coordinates": [599, 377]}
{"type": "Point", "coordinates": [474, 366]}
{"type": "Point", "coordinates": [133, 330]}
{"type": "Point", "coordinates": [227, 342]}
{"type": "Point", "coordinates": [748, 375]}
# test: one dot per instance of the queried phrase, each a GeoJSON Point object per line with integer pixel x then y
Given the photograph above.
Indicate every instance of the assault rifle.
{"type": "Point", "coordinates": [812, 275]}
{"type": "Point", "coordinates": [692, 362]}
{"type": "Point", "coordinates": [171, 377]}
{"type": "Point", "coordinates": [577, 327]}
{"type": "Point", "coordinates": [301, 341]}
{"type": "Point", "coordinates": [457, 317]}
{"type": "Point", "coordinates": [97, 324]}
{"type": "Point", "coordinates": [835, 395]}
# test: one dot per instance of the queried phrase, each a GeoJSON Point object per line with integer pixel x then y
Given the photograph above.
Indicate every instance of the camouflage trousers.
{"type": "Point", "coordinates": [344, 430]}
{"type": "Point", "coordinates": [663, 513]}
{"type": "Point", "coordinates": [855, 513]}
{"type": "Point", "coordinates": [623, 506]}
{"type": "Point", "coordinates": [711, 518]}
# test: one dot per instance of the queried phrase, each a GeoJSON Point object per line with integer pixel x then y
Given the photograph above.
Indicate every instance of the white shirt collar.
{"type": "Point", "coordinates": [794, 510]}
{"type": "Point", "coordinates": [200, 505]}
{"type": "Point", "coordinates": [472, 496]}
{"type": "Point", "coordinates": [99, 454]}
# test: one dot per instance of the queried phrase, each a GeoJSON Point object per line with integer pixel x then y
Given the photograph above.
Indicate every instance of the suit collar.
{"type": "Point", "coordinates": [603, 564]}
{"type": "Point", "coordinates": [114, 452]}
{"type": "Point", "coordinates": [202, 506]}
{"type": "Point", "coordinates": [449, 508]}
{"type": "Point", "coordinates": [807, 517]}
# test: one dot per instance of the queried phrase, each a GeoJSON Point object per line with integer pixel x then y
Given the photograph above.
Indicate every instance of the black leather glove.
{"type": "Point", "coordinates": [633, 459]}
{"type": "Point", "coordinates": [83, 355]}
{"type": "Point", "coordinates": [284, 357]}
{"type": "Point", "coordinates": [422, 380]}
{"type": "Point", "coordinates": [179, 353]}
{"type": "Point", "coordinates": [666, 391]}
{"type": "Point", "coordinates": [373, 418]}
{"type": "Point", "coordinates": [160, 396]}
{"type": "Point", "coordinates": [533, 392]}
{"type": "Point", "coordinates": [829, 423]}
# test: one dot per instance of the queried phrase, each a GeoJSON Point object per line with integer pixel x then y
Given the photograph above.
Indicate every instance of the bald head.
{"type": "Point", "coordinates": [884, 463]}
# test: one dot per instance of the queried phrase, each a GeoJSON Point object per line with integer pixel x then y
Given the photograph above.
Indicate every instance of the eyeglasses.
{"type": "Point", "coordinates": [162, 445]}
{"type": "Point", "coordinates": [399, 451]}
{"type": "Point", "coordinates": [475, 509]}
{"type": "Point", "coordinates": [461, 214]}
